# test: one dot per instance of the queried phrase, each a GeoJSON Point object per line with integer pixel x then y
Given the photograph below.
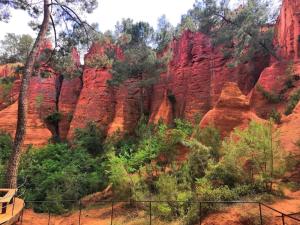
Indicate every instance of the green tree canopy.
{"type": "Point", "coordinates": [245, 27]}
{"type": "Point", "coordinates": [15, 48]}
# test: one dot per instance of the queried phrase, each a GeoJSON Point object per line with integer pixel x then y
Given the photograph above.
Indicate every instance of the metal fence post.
{"type": "Point", "coordinates": [282, 217]}
{"type": "Point", "coordinates": [112, 213]}
{"type": "Point", "coordinates": [260, 214]}
{"type": "Point", "coordinates": [150, 209]}
{"type": "Point", "coordinates": [49, 215]}
{"type": "Point", "coordinates": [200, 211]}
{"type": "Point", "coordinates": [80, 209]}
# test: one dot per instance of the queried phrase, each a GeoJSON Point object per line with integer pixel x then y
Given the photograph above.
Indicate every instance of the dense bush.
{"type": "Point", "coordinates": [256, 156]}
{"type": "Point", "coordinates": [145, 165]}
{"type": "Point", "coordinates": [90, 138]}
{"type": "Point", "coordinates": [54, 117]}
{"type": "Point", "coordinates": [58, 173]}
{"type": "Point", "coordinates": [99, 62]}
{"type": "Point", "coordinates": [210, 137]}
{"type": "Point", "coordinates": [5, 150]}
{"type": "Point", "coordinates": [6, 85]}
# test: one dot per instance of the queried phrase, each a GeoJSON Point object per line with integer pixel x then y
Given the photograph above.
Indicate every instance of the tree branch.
{"type": "Point", "coordinates": [250, 34]}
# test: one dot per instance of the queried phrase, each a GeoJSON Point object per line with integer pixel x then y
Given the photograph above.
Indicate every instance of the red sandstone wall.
{"type": "Point", "coordinates": [288, 30]}
{"type": "Point", "coordinates": [197, 75]}
{"type": "Point", "coordinates": [195, 80]}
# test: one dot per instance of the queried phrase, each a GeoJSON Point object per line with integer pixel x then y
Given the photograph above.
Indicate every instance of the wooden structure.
{"type": "Point", "coordinates": [11, 207]}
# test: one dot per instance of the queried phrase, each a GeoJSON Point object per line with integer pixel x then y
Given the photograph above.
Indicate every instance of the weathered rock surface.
{"type": "Point", "coordinates": [232, 110]}
{"type": "Point", "coordinates": [290, 131]}
{"type": "Point", "coordinates": [288, 30]}
{"type": "Point", "coordinates": [95, 101]}
{"type": "Point", "coordinates": [127, 108]}
{"type": "Point", "coordinates": [274, 78]}
{"type": "Point", "coordinates": [68, 98]}
{"type": "Point", "coordinates": [197, 74]}
{"type": "Point", "coordinates": [37, 133]}
{"type": "Point", "coordinates": [198, 81]}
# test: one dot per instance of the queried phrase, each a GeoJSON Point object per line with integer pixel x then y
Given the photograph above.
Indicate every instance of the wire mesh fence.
{"type": "Point", "coordinates": [145, 212]}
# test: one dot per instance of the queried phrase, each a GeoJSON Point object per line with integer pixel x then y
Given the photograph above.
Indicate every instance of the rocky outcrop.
{"type": "Point", "coordinates": [68, 98]}
{"type": "Point", "coordinates": [198, 81]}
{"type": "Point", "coordinates": [95, 101]}
{"type": "Point", "coordinates": [127, 108]}
{"type": "Point", "coordinates": [282, 76]}
{"type": "Point", "coordinates": [290, 131]}
{"type": "Point", "coordinates": [165, 111]}
{"type": "Point", "coordinates": [288, 30]}
{"type": "Point", "coordinates": [232, 110]}
{"type": "Point", "coordinates": [197, 74]}
{"type": "Point", "coordinates": [37, 133]}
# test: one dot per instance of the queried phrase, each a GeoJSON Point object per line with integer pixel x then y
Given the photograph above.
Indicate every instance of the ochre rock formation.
{"type": "Point", "coordinates": [164, 112]}
{"type": "Point", "coordinates": [232, 110]}
{"type": "Point", "coordinates": [95, 101]}
{"type": "Point", "coordinates": [274, 78]}
{"type": "Point", "coordinates": [127, 107]}
{"type": "Point", "coordinates": [69, 94]}
{"type": "Point", "coordinates": [198, 81]}
{"type": "Point", "coordinates": [290, 131]}
{"type": "Point", "coordinates": [197, 74]}
{"type": "Point", "coordinates": [37, 133]}
{"type": "Point", "coordinates": [288, 30]}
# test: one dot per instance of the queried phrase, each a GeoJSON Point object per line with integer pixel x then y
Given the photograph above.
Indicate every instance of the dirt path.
{"type": "Point", "coordinates": [245, 214]}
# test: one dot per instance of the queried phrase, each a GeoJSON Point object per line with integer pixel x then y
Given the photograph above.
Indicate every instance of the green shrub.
{"type": "Point", "coordinates": [256, 156]}
{"type": "Point", "coordinates": [170, 189]}
{"type": "Point", "coordinates": [54, 117]}
{"type": "Point", "coordinates": [275, 115]}
{"type": "Point", "coordinates": [99, 62]}
{"type": "Point", "coordinates": [210, 137]}
{"type": "Point", "coordinates": [6, 144]}
{"type": "Point", "coordinates": [6, 85]}
{"type": "Point", "coordinates": [57, 173]}
{"type": "Point", "coordinates": [292, 103]}
{"type": "Point", "coordinates": [90, 138]}
{"type": "Point", "coordinates": [198, 159]}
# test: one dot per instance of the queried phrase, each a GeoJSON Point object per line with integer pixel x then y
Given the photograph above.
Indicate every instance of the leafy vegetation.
{"type": "Point", "coordinates": [15, 48]}
{"type": "Point", "coordinates": [275, 115]}
{"type": "Point", "coordinates": [235, 29]}
{"type": "Point", "coordinates": [6, 85]}
{"type": "Point", "coordinates": [90, 138]}
{"type": "Point", "coordinates": [54, 117]}
{"type": "Point", "coordinates": [271, 97]}
{"type": "Point", "coordinates": [99, 62]}
{"type": "Point", "coordinates": [5, 150]}
{"type": "Point", "coordinates": [145, 165]}
{"type": "Point", "coordinates": [292, 103]}
{"type": "Point", "coordinates": [57, 173]}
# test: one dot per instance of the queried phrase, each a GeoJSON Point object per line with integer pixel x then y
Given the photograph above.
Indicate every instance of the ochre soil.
{"type": "Point", "coordinates": [245, 214]}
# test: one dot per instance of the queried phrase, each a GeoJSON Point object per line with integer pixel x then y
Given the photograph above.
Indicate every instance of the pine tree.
{"type": "Point", "coordinates": [54, 12]}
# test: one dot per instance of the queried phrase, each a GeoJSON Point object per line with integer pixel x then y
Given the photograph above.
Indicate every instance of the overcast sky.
{"type": "Point", "coordinates": [111, 11]}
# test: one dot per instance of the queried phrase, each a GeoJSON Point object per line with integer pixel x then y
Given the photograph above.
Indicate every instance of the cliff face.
{"type": "Point", "coordinates": [198, 81]}
{"type": "Point", "coordinates": [197, 75]}
{"type": "Point", "coordinates": [282, 77]}
{"type": "Point", "coordinates": [232, 110]}
{"type": "Point", "coordinates": [288, 29]}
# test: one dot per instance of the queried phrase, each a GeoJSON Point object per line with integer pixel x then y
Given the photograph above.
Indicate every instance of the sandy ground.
{"type": "Point", "coordinates": [246, 214]}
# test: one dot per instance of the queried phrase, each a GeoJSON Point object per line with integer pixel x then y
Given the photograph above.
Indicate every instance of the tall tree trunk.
{"type": "Point", "coordinates": [14, 161]}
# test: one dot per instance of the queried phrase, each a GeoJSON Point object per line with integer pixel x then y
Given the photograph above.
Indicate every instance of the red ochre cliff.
{"type": "Point", "coordinates": [198, 82]}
